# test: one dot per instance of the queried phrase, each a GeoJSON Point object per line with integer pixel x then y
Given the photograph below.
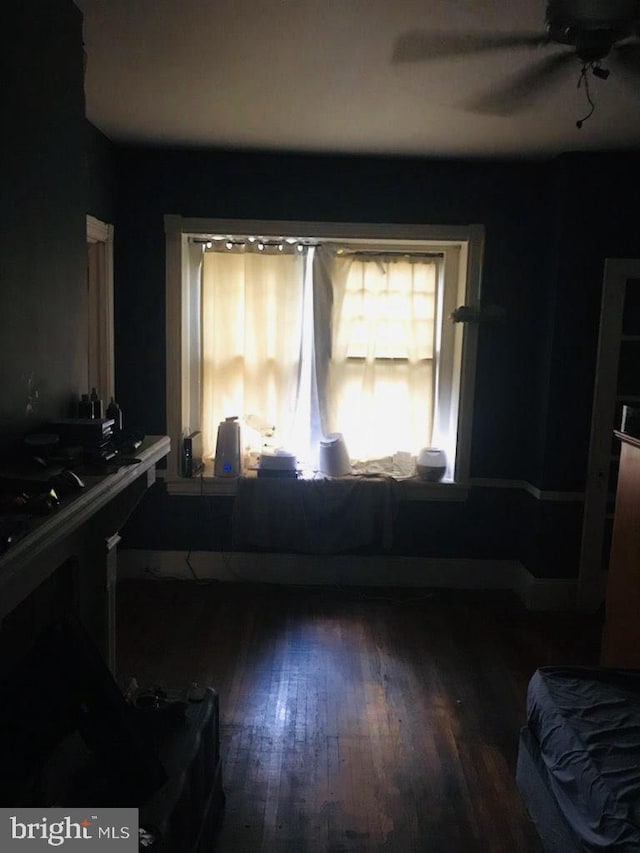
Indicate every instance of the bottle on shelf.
{"type": "Point", "coordinates": [96, 404]}
{"type": "Point", "coordinates": [114, 411]}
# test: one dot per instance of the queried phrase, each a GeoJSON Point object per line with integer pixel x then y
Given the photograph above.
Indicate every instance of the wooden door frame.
{"type": "Point", "coordinates": [592, 578]}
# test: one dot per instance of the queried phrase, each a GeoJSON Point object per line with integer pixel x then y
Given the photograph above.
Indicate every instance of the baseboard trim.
{"type": "Point", "coordinates": [535, 593]}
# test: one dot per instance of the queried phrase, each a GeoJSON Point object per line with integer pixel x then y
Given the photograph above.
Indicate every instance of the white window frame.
{"type": "Point", "coordinates": [183, 379]}
{"type": "Point", "coordinates": [100, 361]}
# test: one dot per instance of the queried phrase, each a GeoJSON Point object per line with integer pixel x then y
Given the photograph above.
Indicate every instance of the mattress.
{"type": "Point", "coordinates": [534, 786]}
{"type": "Point", "coordinates": [586, 721]}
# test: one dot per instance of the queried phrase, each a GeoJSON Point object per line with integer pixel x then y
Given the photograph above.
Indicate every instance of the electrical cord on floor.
{"type": "Point", "coordinates": [196, 578]}
{"type": "Point", "coordinates": [209, 519]}
{"type": "Point", "coordinates": [160, 576]}
{"type": "Point", "coordinates": [355, 593]}
{"type": "Point", "coordinates": [226, 555]}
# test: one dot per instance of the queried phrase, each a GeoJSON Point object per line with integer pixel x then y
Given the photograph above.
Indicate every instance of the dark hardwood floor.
{"type": "Point", "coordinates": [355, 721]}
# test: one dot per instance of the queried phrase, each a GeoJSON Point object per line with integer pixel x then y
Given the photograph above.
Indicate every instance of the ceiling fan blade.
{"type": "Point", "coordinates": [522, 89]}
{"type": "Point", "coordinates": [627, 57]}
{"type": "Point", "coordinates": [423, 45]}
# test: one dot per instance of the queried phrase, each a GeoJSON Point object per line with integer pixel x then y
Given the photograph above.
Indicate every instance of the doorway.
{"type": "Point", "coordinates": [617, 383]}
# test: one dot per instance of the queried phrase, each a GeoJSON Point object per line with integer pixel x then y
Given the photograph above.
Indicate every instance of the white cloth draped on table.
{"type": "Point", "coordinates": [313, 516]}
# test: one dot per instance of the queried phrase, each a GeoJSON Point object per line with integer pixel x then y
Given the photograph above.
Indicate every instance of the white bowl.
{"type": "Point", "coordinates": [278, 460]}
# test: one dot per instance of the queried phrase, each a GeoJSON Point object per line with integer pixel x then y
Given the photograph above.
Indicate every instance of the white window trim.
{"type": "Point", "coordinates": [100, 363]}
{"type": "Point", "coordinates": [182, 386]}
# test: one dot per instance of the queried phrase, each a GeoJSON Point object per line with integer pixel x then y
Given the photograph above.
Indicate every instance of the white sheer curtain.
{"type": "Point", "coordinates": [378, 357]}
{"type": "Point", "coordinates": [252, 308]}
{"type": "Point", "coordinates": [358, 358]}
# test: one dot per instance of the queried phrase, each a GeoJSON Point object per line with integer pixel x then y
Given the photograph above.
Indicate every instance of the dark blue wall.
{"type": "Point", "coordinates": [510, 200]}
{"type": "Point", "coordinates": [596, 221]}
{"type": "Point", "coordinates": [549, 227]}
{"type": "Point", "coordinates": [102, 184]}
{"type": "Point", "coordinates": [43, 341]}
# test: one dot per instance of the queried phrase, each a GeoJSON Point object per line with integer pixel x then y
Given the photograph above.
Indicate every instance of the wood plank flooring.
{"type": "Point", "coordinates": [355, 721]}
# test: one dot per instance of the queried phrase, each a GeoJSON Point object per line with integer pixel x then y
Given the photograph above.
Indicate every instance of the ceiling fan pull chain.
{"type": "Point", "coordinates": [585, 79]}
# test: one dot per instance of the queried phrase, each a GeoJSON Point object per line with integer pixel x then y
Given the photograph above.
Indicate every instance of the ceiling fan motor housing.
{"type": "Point", "coordinates": [591, 26]}
{"type": "Point", "coordinates": [593, 14]}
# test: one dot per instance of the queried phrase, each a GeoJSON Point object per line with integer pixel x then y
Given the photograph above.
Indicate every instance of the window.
{"type": "Point", "coordinates": [383, 356]}
{"type": "Point", "coordinates": [322, 328]}
{"type": "Point", "coordinates": [252, 312]}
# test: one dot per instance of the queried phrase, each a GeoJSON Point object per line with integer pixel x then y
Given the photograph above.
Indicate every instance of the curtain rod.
{"type": "Point", "coordinates": [267, 241]}
{"type": "Point", "coordinates": [391, 254]}
{"type": "Point", "coordinates": [231, 241]}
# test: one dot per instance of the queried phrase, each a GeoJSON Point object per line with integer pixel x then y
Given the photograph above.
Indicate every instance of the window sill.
{"type": "Point", "coordinates": [412, 489]}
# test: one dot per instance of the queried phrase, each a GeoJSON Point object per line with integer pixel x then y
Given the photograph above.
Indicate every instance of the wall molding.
{"type": "Point", "coordinates": [409, 490]}
{"type": "Point", "coordinates": [525, 485]}
{"type": "Point", "coordinates": [351, 570]}
{"type": "Point", "coordinates": [466, 241]}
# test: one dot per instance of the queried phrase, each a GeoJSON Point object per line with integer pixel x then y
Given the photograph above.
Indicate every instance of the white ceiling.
{"type": "Point", "coordinates": [317, 75]}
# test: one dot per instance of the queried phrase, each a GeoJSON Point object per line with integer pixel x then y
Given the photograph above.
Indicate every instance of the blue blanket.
{"type": "Point", "coordinates": [587, 723]}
